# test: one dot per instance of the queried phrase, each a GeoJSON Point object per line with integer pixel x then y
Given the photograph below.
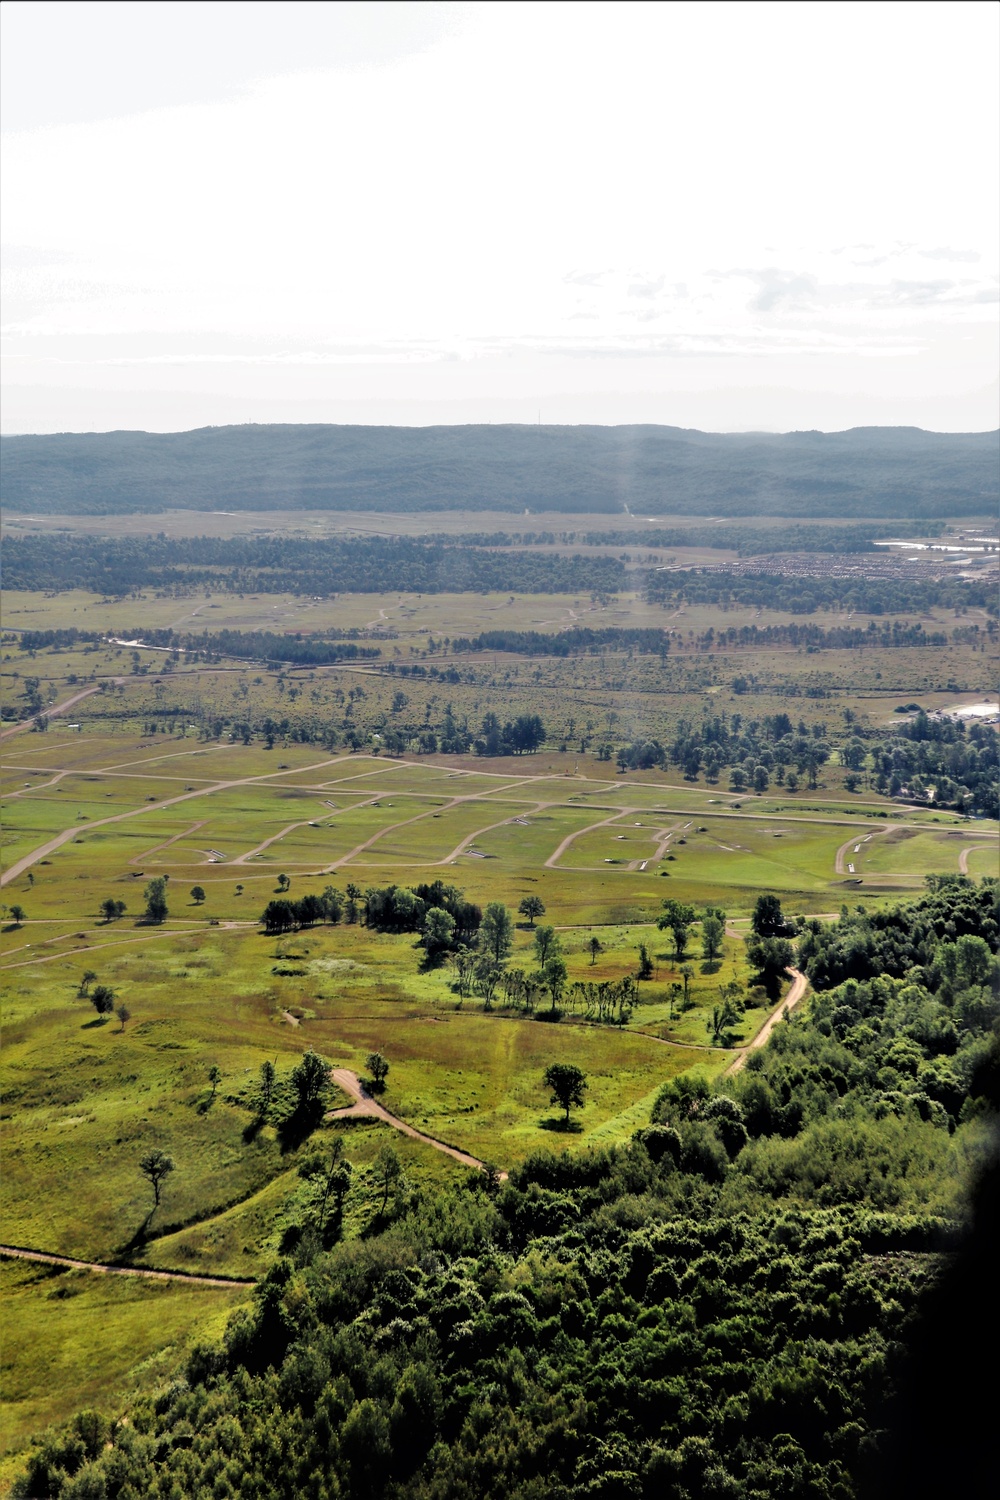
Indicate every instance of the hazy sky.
{"type": "Point", "coordinates": [726, 216]}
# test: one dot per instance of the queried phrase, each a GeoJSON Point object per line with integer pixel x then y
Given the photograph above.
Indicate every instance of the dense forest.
{"type": "Point", "coordinates": [747, 1301]}
{"type": "Point", "coordinates": [802, 595]}
{"type": "Point", "coordinates": [119, 566]}
{"type": "Point", "coordinates": [867, 471]}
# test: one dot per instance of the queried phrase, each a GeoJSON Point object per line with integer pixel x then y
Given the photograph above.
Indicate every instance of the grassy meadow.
{"type": "Point", "coordinates": [95, 811]}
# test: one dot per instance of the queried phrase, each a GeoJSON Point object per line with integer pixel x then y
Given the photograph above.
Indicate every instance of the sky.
{"type": "Point", "coordinates": [734, 217]}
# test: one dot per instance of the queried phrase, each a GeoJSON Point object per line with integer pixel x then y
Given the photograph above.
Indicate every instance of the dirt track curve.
{"type": "Point", "coordinates": [365, 1105]}
{"type": "Point", "coordinates": [800, 986]}
{"type": "Point", "coordinates": [14, 1252]}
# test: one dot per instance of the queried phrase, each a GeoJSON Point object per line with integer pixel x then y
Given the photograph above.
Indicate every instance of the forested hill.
{"type": "Point", "coordinates": [867, 471]}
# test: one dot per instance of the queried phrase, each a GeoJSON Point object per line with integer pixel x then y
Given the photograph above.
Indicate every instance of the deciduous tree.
{"type": "Point", "coordinates": [712, 933]}
{"type": "Point", "coordinates": [378, 1071]}
{"type": "Point", "coordinates": [439, 931]}
{"type": "Point", "coordinates": [155, 896]}
{"type": "Point", "coordinates": [567, 1083]}
{"type": "Point", "coordinates": [103, 1000]}
{"type": "Point", "coordinates": [546, 945]}
{"type": "Point", "coordinates": [532, 907]}
{"type": "Point", "coordinates": [156, 1166]}
{"type": "Point", "coordinates": [310, 1080]}
{"type": "Point", "coordinates": [676, 918]}
{"type": "Point", "coordinates": [496, 933]}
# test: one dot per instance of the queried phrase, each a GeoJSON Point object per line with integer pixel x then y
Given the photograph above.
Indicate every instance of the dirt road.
{"type": "Point", "coordinates": [800, 986]}
{"type": "Point", "coordinates": [57, 708]}
{"type": "Point", "coordinates": [366, 1105]}
{"type": "Point", "coordinates": [13, 1252]}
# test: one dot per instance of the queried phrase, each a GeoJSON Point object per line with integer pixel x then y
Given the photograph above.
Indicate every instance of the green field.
{"type": "Point", "coordinates": [119, 804]}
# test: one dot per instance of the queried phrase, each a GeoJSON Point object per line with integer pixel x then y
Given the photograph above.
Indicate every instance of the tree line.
{"type": "Point", "coordinates": [651, 641]}
{"type": "Point", "coordinates": [120, 566]}
{"type": "Point", "coordinates": [804, 595]}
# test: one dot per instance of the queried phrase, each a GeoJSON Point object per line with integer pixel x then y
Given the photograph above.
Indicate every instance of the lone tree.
{"type": "Point", "coordinates": [156, 1166]}
{"type": "Point", "coordinates": [768, 919]}
{"type": "Point", "coordinates": [712, 931]}
{"type": "Point", "coordinates": [496, 932]}
{"type": "Point", "coordinates": [310, 1080]}
{"type": "Point", "coordinates": [124, 1014]}
{"type": "Point", "coordinates": [567, 1083]}
{"type": "Point", "coordinates": [197, 894]}
{"type": "Point", "coordinates": [676, 918]}
{"type": "Point", "coordinates": [596, 946]}
{"type": "Point", "coordinates": [155, 896]}
{"type": "Point", "coordinates": [18, 913]}
{"type": "Point", "coordinates": [283, 882]}
{"type": "Point", "coordinates": [645, 963]}
{"type": "Point", "coordinates": [86, 980]}
{"type": "Point", "coordinates": [338, 1182]}
{"type": "Point", "coordinates": [103, 1000]}
{"type": "Point", "coordinates": [111, 909]}
{"type": "Point", "coordinates": [532, 907]}
{"type": "Point", "coordinates": [268, 1079]}
{"type": "Point", "coordinates": [724, 1017]}
{"type": "Point", "coordinates": [378, 1070]}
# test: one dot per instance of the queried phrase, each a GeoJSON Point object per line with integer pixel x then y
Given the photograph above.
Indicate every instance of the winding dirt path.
{"type": "Point", "coordinates": [14, 1252]}
{"type": "Point", "coordinates": [859, 839]}
{"type": "Point", "coordinates": [365, 1105]}
{"type": "Point", "coordinates": [798, 991]}
{"type": "Point", "coordinates": [963, 858]}
{"type": "Point", "coordinates": [39, 786]}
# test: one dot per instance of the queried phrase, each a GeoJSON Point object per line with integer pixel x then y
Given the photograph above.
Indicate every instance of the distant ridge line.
{"type": "Point", "coordinates": [645, 469]}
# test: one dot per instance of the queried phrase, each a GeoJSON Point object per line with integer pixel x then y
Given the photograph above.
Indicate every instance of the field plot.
{"type": "Point", "coordinates": [903, 852]}
{"type": "Point", "coordinates": [982, 859]}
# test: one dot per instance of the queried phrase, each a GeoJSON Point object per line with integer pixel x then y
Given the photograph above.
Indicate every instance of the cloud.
{"type": "Point", "coordinates": [945, 254]}
{"type": "Point", "coordinates": [776, 287]}
{"type": "Point", "coordinates": [646, 288]}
